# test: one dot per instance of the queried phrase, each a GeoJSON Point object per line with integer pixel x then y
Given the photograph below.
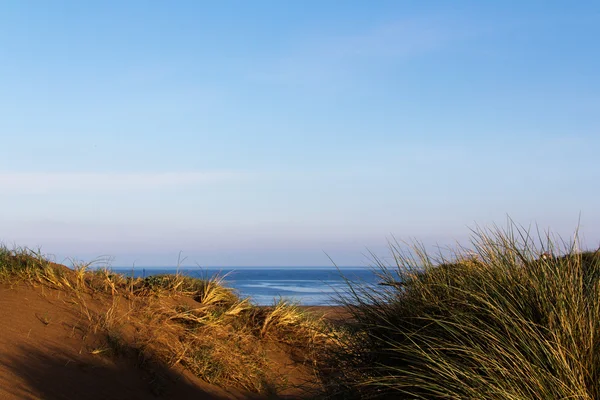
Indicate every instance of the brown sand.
{"type": "Point", "coordinates": [46, 353]}
{"type": "Point", "coordinates": [336, 314]}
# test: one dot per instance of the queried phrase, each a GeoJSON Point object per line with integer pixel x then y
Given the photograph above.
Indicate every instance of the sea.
{"type": "Point", "coordinates": [310, 286]}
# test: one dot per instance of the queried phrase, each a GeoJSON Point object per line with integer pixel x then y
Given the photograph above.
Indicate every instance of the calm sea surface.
{"type": "Point", "coordinates": [308, 286]}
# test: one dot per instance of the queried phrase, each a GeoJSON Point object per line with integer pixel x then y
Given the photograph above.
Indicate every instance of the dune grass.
{"type": "Point", "coordinates": [512, 318]}
{"type": "Point", "coordinates": [179, 321]}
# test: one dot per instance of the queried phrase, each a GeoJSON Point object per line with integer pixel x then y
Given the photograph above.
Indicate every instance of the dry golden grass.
{"type": "Point", "coordinates": [508, 319]}
{"type": "Point", "coordinates": [173, 320]}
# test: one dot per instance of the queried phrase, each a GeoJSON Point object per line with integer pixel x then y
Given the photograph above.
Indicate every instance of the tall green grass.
{"type": "Point", "coordinates": [515, 317]}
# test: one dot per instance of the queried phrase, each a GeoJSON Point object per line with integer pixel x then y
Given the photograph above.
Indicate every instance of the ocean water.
{"type": "Point", "coordinates": [307, 286]}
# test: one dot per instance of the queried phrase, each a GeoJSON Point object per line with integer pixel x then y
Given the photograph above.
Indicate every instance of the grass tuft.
{"type": "Point", "coordinates": [516, 318]}
{"type": "Point", "coordinates": [176, 320]}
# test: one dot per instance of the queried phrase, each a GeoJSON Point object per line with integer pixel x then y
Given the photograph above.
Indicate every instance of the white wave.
{"type": "Point", "coordinates": [312, 300]}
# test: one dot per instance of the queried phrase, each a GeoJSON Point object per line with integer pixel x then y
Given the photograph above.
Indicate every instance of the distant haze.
{"type": "Point", "coordinates": [288, 133]}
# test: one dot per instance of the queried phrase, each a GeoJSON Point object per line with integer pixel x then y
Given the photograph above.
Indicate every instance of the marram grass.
{"type": "Point", "coordinates": [175, 320]}
{"type": "Point", "coordinates": [510, 319]}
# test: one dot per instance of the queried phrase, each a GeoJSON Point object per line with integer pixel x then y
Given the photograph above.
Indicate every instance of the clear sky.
{"type": "Point", "coordinates": [273, 132]}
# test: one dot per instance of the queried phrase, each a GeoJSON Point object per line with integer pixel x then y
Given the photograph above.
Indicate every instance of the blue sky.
{"type": "Point", "coordinates": [271, 133]}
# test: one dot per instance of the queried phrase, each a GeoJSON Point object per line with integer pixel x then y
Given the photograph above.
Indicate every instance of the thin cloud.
{"type": "Point", "coordinates": [41, 182]}
{"type": "Point", "coordinates": [396, 41]}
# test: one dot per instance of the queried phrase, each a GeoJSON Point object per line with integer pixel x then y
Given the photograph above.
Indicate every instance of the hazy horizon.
{"type": "Point", "coordinates": [272, 133]}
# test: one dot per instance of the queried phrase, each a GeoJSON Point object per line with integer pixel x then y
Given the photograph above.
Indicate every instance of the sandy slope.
{"type": "Point", "coordinates": [46, 354]}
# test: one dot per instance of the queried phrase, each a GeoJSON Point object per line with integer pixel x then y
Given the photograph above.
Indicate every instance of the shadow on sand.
{"type": "Point", "coordinates": [51, 374]}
